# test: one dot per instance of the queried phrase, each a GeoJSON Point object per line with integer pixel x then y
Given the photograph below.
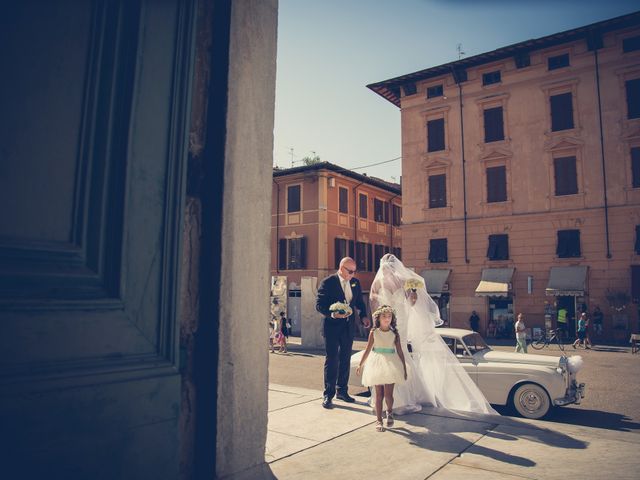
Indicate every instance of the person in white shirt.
{"type": "Point", "coordinates": [521, 335]}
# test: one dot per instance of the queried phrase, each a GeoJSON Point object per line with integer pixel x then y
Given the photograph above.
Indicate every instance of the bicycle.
{"type": "Point", "coordinates": [546, 338]}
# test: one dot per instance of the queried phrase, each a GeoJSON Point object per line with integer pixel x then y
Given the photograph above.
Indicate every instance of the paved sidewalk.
{"type": "Point", "coordinates": [306, 441]}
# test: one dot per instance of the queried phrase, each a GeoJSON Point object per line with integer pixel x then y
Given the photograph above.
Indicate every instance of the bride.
{"type": "Point", "coordinates": [435, 376]}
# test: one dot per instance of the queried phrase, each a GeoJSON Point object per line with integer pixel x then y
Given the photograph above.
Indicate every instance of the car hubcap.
{"type": "Point", "coordinates": [531, 401]}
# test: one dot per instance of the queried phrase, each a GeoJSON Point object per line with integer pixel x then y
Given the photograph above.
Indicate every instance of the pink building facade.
{"type": "Point", "coordinates": [521, 179]}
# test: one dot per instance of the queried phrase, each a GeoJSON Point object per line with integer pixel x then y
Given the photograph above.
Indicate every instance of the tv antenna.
{"type": "Point", "coordinates": [460, 52]}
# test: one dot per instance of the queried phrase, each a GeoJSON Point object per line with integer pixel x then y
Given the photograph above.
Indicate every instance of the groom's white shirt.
{"type": "Point", "coordinates": [346, 288]}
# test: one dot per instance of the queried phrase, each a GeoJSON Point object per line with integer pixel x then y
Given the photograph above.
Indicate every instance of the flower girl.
{"type": "Point", "coordinates": [383, 364]}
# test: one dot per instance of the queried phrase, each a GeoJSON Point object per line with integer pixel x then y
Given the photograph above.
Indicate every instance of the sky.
{"type": "Point", "coordinates": [329, 50]}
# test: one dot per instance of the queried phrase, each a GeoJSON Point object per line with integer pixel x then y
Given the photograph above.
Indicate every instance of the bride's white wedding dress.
{"type": "Point", "coordinates": [435, 377]}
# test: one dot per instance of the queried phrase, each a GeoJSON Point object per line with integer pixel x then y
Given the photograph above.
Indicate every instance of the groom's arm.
{"type": "Point", "coordinates": [323, 301]}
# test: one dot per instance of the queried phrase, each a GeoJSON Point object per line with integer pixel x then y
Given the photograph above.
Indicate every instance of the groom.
{"type": "Point", "coordinates": [339, 329]}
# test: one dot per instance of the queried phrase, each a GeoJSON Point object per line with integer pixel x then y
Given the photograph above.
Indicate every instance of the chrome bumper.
{"type": "Point", "coordinates": [574, 395]}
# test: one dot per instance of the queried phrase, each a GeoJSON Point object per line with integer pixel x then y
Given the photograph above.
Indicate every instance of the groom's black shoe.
{"type": "Point", "coordinates": [345, 397]}
{"type": "Point", "coordinates": [326, 402]}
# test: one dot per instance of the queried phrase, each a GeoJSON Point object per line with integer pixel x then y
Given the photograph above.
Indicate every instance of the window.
{"type": "Point", "coordinates": [566, 176]}
{"type": "Point", "coordinates": [293, 253]}
{"type": "Point", "coordinates": [437, 191]}
{"type": "Point", "coordinates": [378, 253]}
{"type": "Point", "coordinates": [491, 78]}
{"type": "Point", "coordinates": [364, 257]}
{"type": "Point", "coordinates": [498, 247]}
{"type": "Point", "coordinates": [635, 283]}
{"type": "Point", "coordinates": [386, 212]}
{"type": "Point", "coordinates": [561, 112]}
{"type": "Point", "coordinates": [559, 61]}
{"type": "Point", "coordinates": [435, 91]}
{"type": "Point", "coordinates": [631, 44]}
{"type": "Point", "coordinates": [523, 60]}
{"type": "Point", "coordinates": [633, 98]}
{"type": "Point", "coordinates": [636, 247]}
{"type": "Point", "coordinates": [378, 210]}
{"type": "Point", "coordinates": [635, 167]}
{"type": "Point", "coordinates": [496, 184]}
{"type": "Point", "coordinates": [293, 198]}
{"type": "Point", "coordinates": [341, 251]}
{"type": "Point", "coordinates": [493, 125]}
{"type": "Point", "coordinates": [397, 215]}
{"type": "Point", "coordinates": [435, 135]}
{"type": "Point", "coordinates": [397, 251]}
{"type": "Point", "coordinates": [363, 206]}
{"type": "Point", "coordinates": [438, 250]}
{"type": "Point", "coordinates": [568, 244]}
{"type": "Point", "coordinates": [343, 199]}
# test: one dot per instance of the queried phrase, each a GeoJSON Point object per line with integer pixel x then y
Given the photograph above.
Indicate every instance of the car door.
{"type": "Point", "coordinates": [462, 354]}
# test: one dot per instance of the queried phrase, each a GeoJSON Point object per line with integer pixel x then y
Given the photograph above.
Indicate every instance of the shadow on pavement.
{"type": "Point", "coordinates": [593, 418]}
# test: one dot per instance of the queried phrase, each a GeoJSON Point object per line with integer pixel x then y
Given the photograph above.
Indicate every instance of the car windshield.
{"type": "Point", "coordinates": [475, 343]}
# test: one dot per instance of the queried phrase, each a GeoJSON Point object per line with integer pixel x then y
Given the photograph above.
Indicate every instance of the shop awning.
{"type": "Point", "coordinates": [435, 281]}
{"type": "Point", "coordinates": [495, 282]}
{"type": "Point", "coordinates": [567, 281]}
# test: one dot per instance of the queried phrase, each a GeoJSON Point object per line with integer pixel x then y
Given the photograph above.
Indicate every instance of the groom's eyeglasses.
{"type": "Point", "coordinates": [350, 272]}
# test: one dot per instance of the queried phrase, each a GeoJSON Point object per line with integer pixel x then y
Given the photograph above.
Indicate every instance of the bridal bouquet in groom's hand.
{"type": "Point", "coordinates": [341, 308]}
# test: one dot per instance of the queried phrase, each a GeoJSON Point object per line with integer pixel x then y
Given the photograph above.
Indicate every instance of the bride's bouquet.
{"type": "Point", "coordinates": [413, 284]}
{"type": "Point", "coordinates": [341, 308]}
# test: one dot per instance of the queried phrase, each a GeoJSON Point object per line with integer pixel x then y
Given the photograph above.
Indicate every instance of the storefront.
{"type": "Point", "coordinates": [495, 284]}
{"type": "Point", "coordinates": [436, 283]}
{"type": "Point", "coordinates": [568, 286]}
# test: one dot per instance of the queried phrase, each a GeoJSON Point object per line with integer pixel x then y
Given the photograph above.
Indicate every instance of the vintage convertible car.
{"type": "Point", "coordinates": [531, 384]}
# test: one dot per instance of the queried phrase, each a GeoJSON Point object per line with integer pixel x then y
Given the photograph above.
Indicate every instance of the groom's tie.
{"type": "Point", "coordinates": [348, 295]}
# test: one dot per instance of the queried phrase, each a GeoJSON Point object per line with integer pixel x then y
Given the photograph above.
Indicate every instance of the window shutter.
{"type": "Point", "coordinates": [386, 212]}
{"type": "Point", "coordinates": [635, 283]}
{"type": "Point", "coordinates": [352, 252]}
{"type": "Point", "coordinates": [340, 250]}
{"type": "Point", "coordinates": [637, 245]}
{"type": "Point", "coordinates": [361, 256]}
{"type": "Point", "coordinates": [498, 247]}
{"type": "Point", "coordinates": [369, 257]}
{"type": "Point", "coordinates": [438, 250]}
{"type": "Point", "coordinates": [303, 253]}
{"type": "Point", "coordinates": [437, 191]}
{"type": "Point", "coordinates": [343, 200]}
{"type": "Point", "coordinates": [293, 198]}
{"type": "Point", "coordinates": [565, 175]}
{"type": "Point", "coordinates": [435, 135]}
{"type": "Point", "coordinates": [282, 254]}
{"type": "Point", "coordinates": [493, 125]}
{"type": "Point", "coordinates": [633, 98]}
{"type": "Point", "coordinates": [496, 184]}
{"type": "Point", "coordinates": [561, 112]}
{"type": "Point", "coordinates": [379, 252]}
{"type": "Point", "coordinates": [398, 252]}
{"type": "Point", "coordinates": [363, 206]}
{"type": "Point", "coordinates": [568, 243]}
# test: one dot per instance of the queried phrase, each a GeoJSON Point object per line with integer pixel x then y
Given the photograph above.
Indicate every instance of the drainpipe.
{"type": "Point", "coordinates": [464, 176]}
{"type": "Point", "coordinates": [391, 218]}
{"type": "Point", "coordinates": [356, 207]}
{"type": "Point", "coordinates": [604, 170]}
{"type": "Point", "coordinates": [277, 226]}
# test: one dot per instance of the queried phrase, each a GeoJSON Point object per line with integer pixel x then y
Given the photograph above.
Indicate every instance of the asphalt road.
{"type": "Point", "coordinates": [611, 375]}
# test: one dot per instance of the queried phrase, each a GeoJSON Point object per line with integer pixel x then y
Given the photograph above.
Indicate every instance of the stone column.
{"type": "Point", "coordinates": [311, 334]}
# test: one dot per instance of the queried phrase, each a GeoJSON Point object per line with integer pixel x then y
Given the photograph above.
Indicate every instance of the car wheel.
{"type": "Point", "coordinates": [531, 401]}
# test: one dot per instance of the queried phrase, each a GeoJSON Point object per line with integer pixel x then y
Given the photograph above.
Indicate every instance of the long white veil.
{"type": "Point", "coordinates": [443, 381]}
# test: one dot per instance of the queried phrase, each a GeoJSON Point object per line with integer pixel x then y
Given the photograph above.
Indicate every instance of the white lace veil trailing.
{"type": "Point", "coordinates": [443, 381]}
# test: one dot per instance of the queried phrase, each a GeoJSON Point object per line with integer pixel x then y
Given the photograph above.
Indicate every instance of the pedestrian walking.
{"type": "Point", "coordinates": [521, 334]}
{"type": "Point", "coordinates": [582, 326]}
{"type": "Point", "coordinates": [562, 323]}
{"type": "Point", "coordinates": [284, 333]}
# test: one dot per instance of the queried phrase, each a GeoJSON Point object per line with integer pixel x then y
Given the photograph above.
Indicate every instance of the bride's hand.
{"type": "Point", "coordinates": [358, 370]}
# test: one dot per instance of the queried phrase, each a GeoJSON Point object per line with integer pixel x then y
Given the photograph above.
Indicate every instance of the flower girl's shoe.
{"type": "Point", "coordinates": [389, 419]}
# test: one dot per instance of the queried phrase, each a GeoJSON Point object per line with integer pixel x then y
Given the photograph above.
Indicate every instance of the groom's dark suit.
{"type": "Point", "coordinates": [338, 332]}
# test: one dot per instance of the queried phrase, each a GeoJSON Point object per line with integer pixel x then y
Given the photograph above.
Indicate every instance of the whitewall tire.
{"type": "Point", "coordinates": [531, 401]}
